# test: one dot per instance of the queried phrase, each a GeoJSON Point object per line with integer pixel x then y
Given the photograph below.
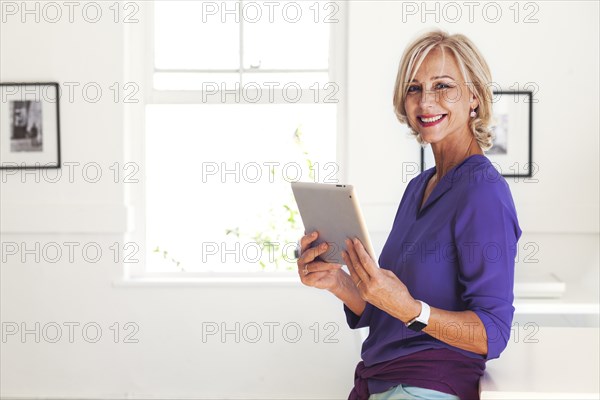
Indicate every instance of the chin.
{"type": "Point", "coordinates": [429, 138]}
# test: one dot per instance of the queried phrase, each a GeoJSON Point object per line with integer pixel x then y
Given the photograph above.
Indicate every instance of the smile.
{"type": "Point", "coordinates": [430, 120]}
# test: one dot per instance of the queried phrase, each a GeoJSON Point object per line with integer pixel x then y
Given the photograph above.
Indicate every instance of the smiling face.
{"type": "Point", "coordinates": [438, 102]}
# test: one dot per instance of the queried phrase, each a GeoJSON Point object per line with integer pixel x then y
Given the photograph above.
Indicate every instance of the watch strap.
{"type": "Point", "coordinates": [421, 321]}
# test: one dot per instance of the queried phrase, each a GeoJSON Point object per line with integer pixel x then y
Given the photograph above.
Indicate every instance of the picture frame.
{"type": "Point", "coordinates": [30, 125]}
{"type": "Point", "coordinates": [511, 153]}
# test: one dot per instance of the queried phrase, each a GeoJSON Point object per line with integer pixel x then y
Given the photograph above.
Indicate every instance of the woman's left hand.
{"type": "Point", "coordinates": [378, 286]}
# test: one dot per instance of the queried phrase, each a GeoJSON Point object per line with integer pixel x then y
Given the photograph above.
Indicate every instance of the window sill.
{"type": "Point", "coordinates": [197, 280]}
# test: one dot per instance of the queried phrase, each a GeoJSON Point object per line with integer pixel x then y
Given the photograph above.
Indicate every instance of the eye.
{"type": "Point", "coordinates": [443, 86]}
{"type": "Point", "coordinates": [412, 89]}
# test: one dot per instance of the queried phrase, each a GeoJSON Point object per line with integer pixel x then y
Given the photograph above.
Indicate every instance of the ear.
{"type": "Point", "coordinates": [474, 103]}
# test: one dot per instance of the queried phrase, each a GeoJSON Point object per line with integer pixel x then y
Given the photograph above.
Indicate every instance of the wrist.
{"type": "Point", "coordinates": [413, 311]}
{"type": "Point", "coordinates": [338, 289]}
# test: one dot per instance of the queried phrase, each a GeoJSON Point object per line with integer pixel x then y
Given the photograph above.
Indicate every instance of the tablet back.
{"type": "Point", "coordinates": [334, 211]}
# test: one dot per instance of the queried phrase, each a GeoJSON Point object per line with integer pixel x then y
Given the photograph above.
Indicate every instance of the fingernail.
{"type": "Point", "coordinates": [323, 245]}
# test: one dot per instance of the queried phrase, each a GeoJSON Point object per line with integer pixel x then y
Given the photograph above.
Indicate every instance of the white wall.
{"type": "Point", "coordinates": [560, 214]}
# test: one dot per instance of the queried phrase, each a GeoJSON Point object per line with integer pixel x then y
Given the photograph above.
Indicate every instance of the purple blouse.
{"type": "Point", "coordinates": [456, 253]}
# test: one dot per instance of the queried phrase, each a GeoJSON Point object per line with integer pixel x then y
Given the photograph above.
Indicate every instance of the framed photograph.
{"type": "Point", "coordinates": [29, 125]}
{"type": "Point", "coordinates": [511, 153]}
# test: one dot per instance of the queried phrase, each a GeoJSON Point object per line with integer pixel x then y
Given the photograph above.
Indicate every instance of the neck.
{"type": "Point", "coordinates": [448, 156]}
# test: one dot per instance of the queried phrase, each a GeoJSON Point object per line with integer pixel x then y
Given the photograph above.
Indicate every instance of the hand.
{"type": "Point", "coordinates": [318, 274]}
{"type": "Point", "coordinates": [378, 286]}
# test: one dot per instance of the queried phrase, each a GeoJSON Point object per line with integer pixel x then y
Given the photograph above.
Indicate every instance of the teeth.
{"type": "Point", "coordinates": [432, 119]}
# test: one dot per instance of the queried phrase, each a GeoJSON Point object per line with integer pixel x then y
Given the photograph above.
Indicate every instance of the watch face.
{"type": "Point", "coordinates": [416, 326]}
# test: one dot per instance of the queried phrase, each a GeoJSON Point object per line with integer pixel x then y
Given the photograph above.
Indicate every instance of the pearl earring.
{"type": "Point", "coordinates": [473, 114]}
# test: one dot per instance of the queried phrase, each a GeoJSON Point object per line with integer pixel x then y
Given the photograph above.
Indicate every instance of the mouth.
{"type": "Point", "coordinates": [426, 120]}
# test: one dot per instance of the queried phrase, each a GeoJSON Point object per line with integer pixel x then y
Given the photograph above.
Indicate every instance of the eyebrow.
{"type": "Point", "coordinates": [436, 77]}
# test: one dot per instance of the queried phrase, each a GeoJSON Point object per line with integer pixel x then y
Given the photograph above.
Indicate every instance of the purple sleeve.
{"type": "Point", "coordinates": [354, 321]}
{"type": "Point", "coordinates": [486, 233]}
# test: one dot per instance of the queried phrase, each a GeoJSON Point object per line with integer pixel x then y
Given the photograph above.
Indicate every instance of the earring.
{"type": "Point", "coordinates": [473, 114]}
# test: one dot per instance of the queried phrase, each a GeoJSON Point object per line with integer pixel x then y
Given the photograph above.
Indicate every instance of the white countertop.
{"type": "Point", "coordinates": [546, 363]}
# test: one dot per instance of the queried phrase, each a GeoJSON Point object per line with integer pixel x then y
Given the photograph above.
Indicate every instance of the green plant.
{"type": "Point", "coordinates": [164, 254]}
{"type": "Point", "coordinates": [282, 224]}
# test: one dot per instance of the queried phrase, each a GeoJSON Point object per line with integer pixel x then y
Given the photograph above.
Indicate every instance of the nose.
{"type": "Point", "coordinates": [428, 98]}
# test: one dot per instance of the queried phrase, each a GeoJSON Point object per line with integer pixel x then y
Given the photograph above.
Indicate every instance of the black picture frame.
{"type": "Point", "coordinates": [513, 126]}
{"type": "Point", "coordinates": [30, 125]}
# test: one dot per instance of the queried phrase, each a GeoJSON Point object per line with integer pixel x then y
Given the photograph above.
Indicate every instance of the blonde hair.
{"type": "Point", "coordinates": [475, 72]}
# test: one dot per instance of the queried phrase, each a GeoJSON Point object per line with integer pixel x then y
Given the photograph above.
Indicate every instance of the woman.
{"type": "Point", "coordinates": [438, 303]}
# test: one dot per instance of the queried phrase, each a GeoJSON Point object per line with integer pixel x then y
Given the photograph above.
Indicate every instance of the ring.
{"type": "Point", "coordinates": [306, 269]}
{"type": "Point", "coordinates": [359, 282]}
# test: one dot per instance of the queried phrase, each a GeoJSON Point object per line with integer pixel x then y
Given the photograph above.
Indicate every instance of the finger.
{"type": "Point", "coordinates": [307, 240]}
{"type": "Point", "coordinates": [310, 254]}
{"type": "Point", "coordinates": [358, 267]}
{"type": "Point", "coordinates": [312, 279]}
{"type": "Point", "coordinates": [367, 262]}
{"type": "Point", "coordinates": [318, 266]}
{"type": "Point", "coordinates": [353, 275]}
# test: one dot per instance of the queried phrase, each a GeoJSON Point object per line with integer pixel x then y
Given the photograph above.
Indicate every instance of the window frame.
{"type": "Point", "coordinates": [139, 68]}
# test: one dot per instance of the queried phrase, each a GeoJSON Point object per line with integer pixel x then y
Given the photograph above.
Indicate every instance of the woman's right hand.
{"type": "Point", "coordinates": [318, 274]}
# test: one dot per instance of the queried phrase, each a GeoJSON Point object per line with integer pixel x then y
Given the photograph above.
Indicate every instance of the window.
{"type": "Point", "coordinates": [200, 43]}
{"type": "Point", "coordinates": [241, 99]}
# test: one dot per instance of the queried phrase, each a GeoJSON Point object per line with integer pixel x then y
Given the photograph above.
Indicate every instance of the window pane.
{"type": "Point", "coordinates": [189, 36]}
{"type": "Point", "coordinates": [289, 35]}
{"type": "Point", "coordinates": [209, 81]}
{"type": "Point", "coordinates": [208, 169]}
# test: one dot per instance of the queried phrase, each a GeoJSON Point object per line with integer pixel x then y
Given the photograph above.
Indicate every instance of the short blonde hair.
{"type": "Point", "coordinates": [475, 72]}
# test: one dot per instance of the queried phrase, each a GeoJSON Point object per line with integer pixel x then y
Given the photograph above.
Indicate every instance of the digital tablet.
{"type": "Point", "coordinates": [332, 210]}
